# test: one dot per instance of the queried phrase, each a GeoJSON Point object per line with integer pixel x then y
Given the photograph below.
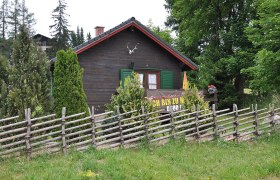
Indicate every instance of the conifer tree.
{"type": "Point", "coordinates": [29, 77]}
{"type": "Point", "coordinates": [59, 29]}
{"type": "Point", "coordinates": [14, 18]}
{"type": "Point", "coordinates": [68, 83]}
{"type": "Point", "coordinates": [88, 36]}
{"type": "Point", "coordinates": [3, 19]}
{"type": "Point", "coordinates": [27, 18]}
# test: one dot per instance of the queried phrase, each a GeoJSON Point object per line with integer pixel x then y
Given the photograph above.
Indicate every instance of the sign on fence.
{"type": "Point", "coordinates": [166, 99]}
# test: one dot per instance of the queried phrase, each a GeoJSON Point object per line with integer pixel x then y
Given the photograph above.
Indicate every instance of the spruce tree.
{"type": "Point", "coordinates": [59, 29]}
{"type": "Point", "coordinates": [14, 18]}
{"type": "Point", "coordinates": [88, 36]}
{"type": "Point", "coordinates": [68, 83]}
{"type": "Point", "coordinates": [3, 19]}
{"type": "Point", "coordinates": [29, 77]}
{"type": "Point", "coordinates": [27, 18]}
{"type": "Point", "coordinates": [73, 38]}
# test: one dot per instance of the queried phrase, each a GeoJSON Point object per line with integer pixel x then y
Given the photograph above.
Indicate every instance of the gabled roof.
{"type": "Point", "coordinates": [40, 36]}
{"type": "Point", "coordinates": [132, 22]}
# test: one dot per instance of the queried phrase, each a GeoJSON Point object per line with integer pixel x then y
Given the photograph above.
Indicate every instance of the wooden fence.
{"type": "Point", "coordinates": [32, 136]}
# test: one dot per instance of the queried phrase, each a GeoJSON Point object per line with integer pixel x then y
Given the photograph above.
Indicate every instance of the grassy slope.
{"type": "Point", "coordinates": [176, 160]}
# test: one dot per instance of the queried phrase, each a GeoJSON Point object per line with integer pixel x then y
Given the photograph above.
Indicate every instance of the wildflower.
{"type": "Point", "coordinates": [89, 174]}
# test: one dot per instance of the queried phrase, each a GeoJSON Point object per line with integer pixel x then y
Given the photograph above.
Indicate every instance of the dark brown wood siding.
{"type": "Point", "coordinates": [103, 62]}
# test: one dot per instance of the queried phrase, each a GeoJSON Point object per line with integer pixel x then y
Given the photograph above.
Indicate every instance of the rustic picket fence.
{"type": "Point", "coordinates": [32, 136]}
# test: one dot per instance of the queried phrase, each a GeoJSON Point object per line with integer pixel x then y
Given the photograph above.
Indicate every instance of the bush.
{"type": "Point", "coordinates": [192, 98]}
{"type": "Point", "coordinates": [130, 96]}
{"type": "Point", "coordinates": [68, 84]}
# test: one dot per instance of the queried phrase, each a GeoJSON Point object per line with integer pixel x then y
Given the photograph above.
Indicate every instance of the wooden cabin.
{"type": "Point", "coordinates": [113, 55]}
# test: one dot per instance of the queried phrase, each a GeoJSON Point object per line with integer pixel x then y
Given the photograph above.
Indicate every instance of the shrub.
{"type": "Point", "coordinates": [130, 96]}
{"type": "Point", "coordinates": [68, 84]}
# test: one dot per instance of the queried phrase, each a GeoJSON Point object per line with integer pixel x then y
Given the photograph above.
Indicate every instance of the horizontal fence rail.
{"type": "Point", "coordinates": [31, 136]}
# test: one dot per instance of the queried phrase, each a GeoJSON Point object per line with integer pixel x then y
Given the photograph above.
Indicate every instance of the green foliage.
{"type": "Point", "coordinates": [4, 69]}
{"type": "Point", "coordinates": [29, 76]}
{"type": "Point", "coordinates": [212, 33]}
{"type": "Point", "coordinates": [77, 37]}
{"type": "Point", "coordinates": [68, 84]}
{"type": "Point", "coordinates": [193, 98]}
{"type": "Point", "coordinates": [6, 46]}
{"type": "Point", "coordinates": [130, 96]}
{"type": "Point", "coordinates": [264, 33]}
{"type": "Point", "coordinates": [163, 33]}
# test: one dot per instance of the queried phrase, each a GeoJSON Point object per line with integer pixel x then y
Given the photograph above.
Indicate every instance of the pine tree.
{"type": "Point", "coordinates": [68, 83]}
{"type": "Point", "coordinates": [88, 36]}
{"type": "Point", "coordinates": [29, 77]}
{"type": "Point", "coordinates": [82, 36]}
{"type": "Point", "coordinates": [27, 18]}
{"type": "Point", "coordinates": [73, 38]}
{"type": "Point", "coordinates": [3, 19]}
{"type": "Point", "coordinates": [59, 29]}
{"type": "Point", "coordinates": [14, 18]}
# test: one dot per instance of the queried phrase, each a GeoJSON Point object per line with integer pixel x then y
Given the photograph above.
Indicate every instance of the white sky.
{"type": "Point", "coordinates": [91, 13]}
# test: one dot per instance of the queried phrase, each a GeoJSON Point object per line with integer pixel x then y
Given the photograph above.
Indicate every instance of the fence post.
{"type": "Point", "coordinates": [28, 133]}
{"type": "Point", "coordinates": [93, 125]}
{"type": "Point", "coordinates": [63, 130]}
{"type": "Point", "coordinates": [171, 114]}
{"type": "Point", "coordinates": [214, 115]}
{"type": "Point", "coordinates": [196, 121]}
{"type": "Point", "coordinates": [120, 126]}
{"type": "Point", "coordinates": [256, 122]}
{"type": "Point", "coordinates": [271, 118]}
{"type": "Point", "coordinates": [236, 123]}
{"type": "Point", "coordinates": [146, 128]}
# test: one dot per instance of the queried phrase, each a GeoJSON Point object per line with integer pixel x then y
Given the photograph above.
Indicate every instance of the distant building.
{"type": "Point", "coordinates": [43, 41]}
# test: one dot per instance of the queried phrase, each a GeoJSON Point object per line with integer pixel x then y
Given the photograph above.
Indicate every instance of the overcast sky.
{"type": "Point", "coordinates": [91, 13]}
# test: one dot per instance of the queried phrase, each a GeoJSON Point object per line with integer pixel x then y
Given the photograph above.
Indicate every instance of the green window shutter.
{"type": "Point", "coordinates": [124, 73]}
{"type": "Point", "coordinates": [166, 80]}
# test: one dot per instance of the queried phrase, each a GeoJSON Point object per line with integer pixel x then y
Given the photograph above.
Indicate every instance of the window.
{"type": "Point", "coordinates": [152, 81]}
{"type": "Point", "coordinates": [141, 79]}
{"type": "Point", "coordinates": [149, 79]}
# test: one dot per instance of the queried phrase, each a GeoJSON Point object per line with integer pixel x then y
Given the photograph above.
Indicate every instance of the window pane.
{"type": "Point", "coordinates": [141, 79]}
{"type": "Point", "coordinates": [152, 86]}
{"type": "Point", "coordinates": [152, 79]}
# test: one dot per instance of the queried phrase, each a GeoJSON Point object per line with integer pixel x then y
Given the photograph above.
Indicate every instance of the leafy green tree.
{"type": "Point", "coordinates": [4, 65]}
{"type": "Point", "coordinates": [29, 77]}
{"type": "Point", "coordinates": [59, 29]}
{"type": "Point", "coordinates": [264, 32]}
{"type": "Point", "coordinates": [213, 34]}
{"type": "Point", "coordinates": [68, 84]}
{"type": "Point", "coordinates": [163, 33]}
{"type": "Point", "coordinates": [130, 96]}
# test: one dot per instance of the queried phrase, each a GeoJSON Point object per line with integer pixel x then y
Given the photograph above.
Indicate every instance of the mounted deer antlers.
{"type": "Point", "coordinates": [129, 50]}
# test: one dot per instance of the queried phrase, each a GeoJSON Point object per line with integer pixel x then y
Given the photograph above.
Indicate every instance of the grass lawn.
{"type": "Point", "coordinates": [176, 160]}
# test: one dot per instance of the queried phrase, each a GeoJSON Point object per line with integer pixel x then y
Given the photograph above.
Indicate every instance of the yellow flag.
{"type": "Point", "coordinates": [185, 82]}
